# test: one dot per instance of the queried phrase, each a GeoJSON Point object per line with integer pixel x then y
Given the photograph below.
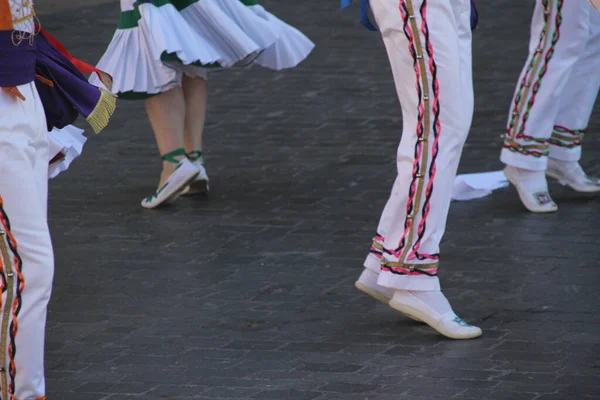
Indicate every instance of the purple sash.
{"type": "Point", "coordinates": [17, 62]}
{"type": "Point", "coordinates": [70, 95]}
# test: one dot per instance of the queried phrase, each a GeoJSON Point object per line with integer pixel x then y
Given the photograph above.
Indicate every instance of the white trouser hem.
{"type": "Point", "coordinates": [562, 154]}
{"type": "Point", "coordinates": [403, 282]}
{"type": "Point", "coordinates": [373, 263]}
{"type": "Point", "coordinates": [522, 161]}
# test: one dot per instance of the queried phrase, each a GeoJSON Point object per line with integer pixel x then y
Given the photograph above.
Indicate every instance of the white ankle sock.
{"type": "Point", "coordinates": [531, 181]}
{"type": "Point", "coordinates": [434, 299]}
{"type": "Point", "coordinates": [527, 174]}
{"type": "Point", "coordinates": [565, 165]}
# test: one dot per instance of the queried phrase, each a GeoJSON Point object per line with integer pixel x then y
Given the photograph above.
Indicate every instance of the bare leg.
{"type": "Point", "coordinates": [166, 112]}
{"type": "Point", "coordinates": [195, 92]}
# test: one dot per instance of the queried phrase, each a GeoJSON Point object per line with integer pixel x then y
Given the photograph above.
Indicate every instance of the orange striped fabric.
{"type": "Point", "coordinates": [6, 19]}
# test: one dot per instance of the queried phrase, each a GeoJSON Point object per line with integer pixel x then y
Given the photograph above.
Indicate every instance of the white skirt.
{"type": "Point", "coordinates": [159, 41]}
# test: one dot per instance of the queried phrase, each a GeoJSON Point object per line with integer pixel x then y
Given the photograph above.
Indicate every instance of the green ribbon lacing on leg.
{"type": "Point", "coordinates": [171, 156]}
{"type": "Point", "coordinates": [194, 155]}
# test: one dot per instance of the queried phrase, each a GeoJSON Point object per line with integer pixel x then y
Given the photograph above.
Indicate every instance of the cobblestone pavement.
{"type": "Point", "coordinates": [248, 294]}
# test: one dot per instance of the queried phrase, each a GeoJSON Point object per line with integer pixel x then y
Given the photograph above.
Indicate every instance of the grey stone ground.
{"type": "Point", "coordinates": [248, 294]}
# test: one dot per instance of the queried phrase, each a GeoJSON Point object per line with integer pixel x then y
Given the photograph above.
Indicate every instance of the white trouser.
{"type": "Point", "coordinates": [558, 86]}
{"type": "Point", "coordinates": [25, 247]}
{"type": "Point", "coordinates": [429, 46]}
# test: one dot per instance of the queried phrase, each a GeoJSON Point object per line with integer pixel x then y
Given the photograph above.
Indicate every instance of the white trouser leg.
{"type": "Point", "coordinates": [27, 259]}
{"type": "Point", "coordinates": [429, 47]}
{"type": "Point", "coordinates": [559, 33]}
{"type": "Point", "coordinates": [578, 98]}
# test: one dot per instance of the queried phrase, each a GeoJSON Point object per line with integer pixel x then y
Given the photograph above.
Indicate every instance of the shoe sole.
{"type": "Point", "coordinates": [565, 183]}
{"type": "Point", "coordinates": [381, 298]}
{"type": "Point", "coordinates": [197, 188]}
{"type": "Point", "coordinates": [175, 194]}
{"type": "Point", "coordinates": [524, 202]}
{"type": "Point", "coordinates": [410, 312]}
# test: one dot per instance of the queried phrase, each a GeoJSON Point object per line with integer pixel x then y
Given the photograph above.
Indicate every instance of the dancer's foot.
{"type": "Point", "coordinates": [200, 185]}
{"type": "Point", "coordinates": [571, 174]}
{"type": "Point", "coordinates": [367, 283]}
{"type": "Point", "coordinates": [532, 188]}
{"type": "Point", "coordinates": [433, 308]}
{"type": "Point", "coordinates": [176, 176]}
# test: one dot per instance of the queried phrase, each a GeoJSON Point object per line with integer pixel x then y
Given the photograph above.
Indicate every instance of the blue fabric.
{"type": "Point", "coordinates": [365, 8]}
{"type": "Point", "coordinates": [474, 15]}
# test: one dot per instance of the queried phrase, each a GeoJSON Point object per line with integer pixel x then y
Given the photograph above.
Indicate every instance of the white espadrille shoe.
{"type": "Point", "coordinates": [572, 175]}
{"type": "Point", "coordinates": [184, 173]}
{"type": "Point", "coordinates": [367, 283]}
{"type": "Point", "coordinates": [532, 188]}
{"type": "Point", "coordinates": [200, 185]}
{"type": "Point", "coordinates": [448, 324]}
